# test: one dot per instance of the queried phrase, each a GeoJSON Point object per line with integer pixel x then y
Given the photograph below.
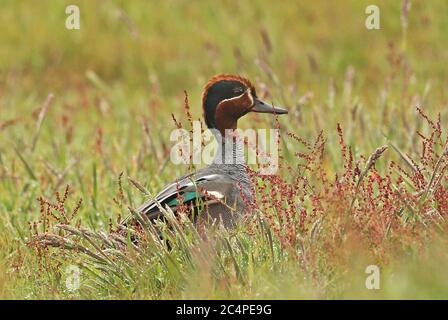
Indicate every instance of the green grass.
{"type": "Point", "coordinates": [127, 69]}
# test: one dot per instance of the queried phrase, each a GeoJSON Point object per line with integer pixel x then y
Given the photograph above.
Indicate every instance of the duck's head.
{"type": "Point", "coordinates": [227, 98]}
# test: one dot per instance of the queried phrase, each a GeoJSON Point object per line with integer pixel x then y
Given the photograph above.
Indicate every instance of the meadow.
{"type": "Point", "coordinates": [85, 120]}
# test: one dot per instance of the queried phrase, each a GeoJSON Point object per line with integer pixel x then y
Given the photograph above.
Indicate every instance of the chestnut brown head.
{"type": "Point", "coordinates": [227, 98]}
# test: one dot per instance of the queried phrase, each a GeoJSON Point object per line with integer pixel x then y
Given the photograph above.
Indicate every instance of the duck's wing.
{"type": "Point", "coordinates": [206, 186]}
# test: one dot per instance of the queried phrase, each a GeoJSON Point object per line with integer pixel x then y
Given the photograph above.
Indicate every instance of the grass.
{"type": "Point", "coordinates": [91, 109]}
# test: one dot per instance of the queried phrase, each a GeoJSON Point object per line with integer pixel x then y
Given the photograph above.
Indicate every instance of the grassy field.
{"type": "Point", "coordinates": [91, 109]}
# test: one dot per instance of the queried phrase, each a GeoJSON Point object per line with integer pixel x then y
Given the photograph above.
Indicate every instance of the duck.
{"type": "Point", "coordinates": [222, 191]}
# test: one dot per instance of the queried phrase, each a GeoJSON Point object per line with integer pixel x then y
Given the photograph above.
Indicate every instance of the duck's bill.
{"type": "Point", "coordinates": [263, 107]}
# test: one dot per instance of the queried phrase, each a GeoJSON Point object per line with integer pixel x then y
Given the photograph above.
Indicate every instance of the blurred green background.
{"type": "Point", "coordinates": [184, 42]}
{"type": "Point", "coordinates": [156, 49]}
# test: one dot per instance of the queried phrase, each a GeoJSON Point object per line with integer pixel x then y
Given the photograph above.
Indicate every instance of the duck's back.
{"type": "Point", "coordinates": [219, 192]}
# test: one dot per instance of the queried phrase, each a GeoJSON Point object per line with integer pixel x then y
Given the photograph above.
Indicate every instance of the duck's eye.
{"type": "Point", "coordinates": [238, 90]}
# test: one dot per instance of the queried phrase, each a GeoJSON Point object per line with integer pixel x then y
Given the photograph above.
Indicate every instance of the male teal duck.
{"type": "Point", "coordinates": [221, 191]}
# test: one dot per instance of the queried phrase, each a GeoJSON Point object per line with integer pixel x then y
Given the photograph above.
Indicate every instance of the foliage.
{"type": "Point", "coordinates": [85, 118]}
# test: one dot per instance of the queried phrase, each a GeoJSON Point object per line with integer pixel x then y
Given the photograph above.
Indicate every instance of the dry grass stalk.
{"type": "Point", "coordinates": [40, 120]}
{"type": "Point", "coordinates": [371, 162]}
